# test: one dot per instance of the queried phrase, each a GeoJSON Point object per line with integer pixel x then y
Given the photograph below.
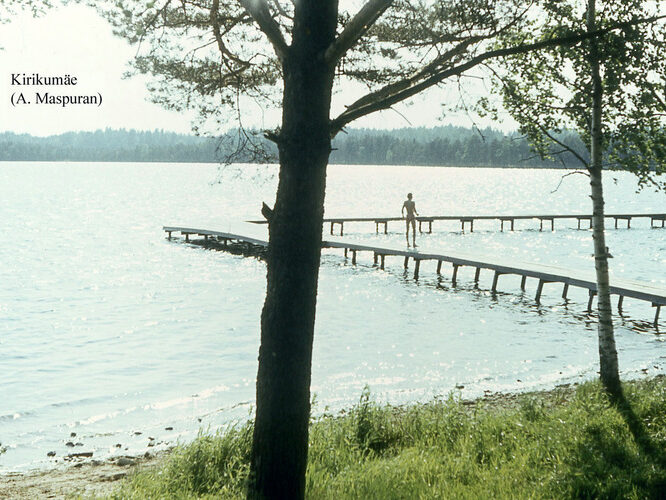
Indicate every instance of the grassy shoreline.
{"type": "Point", "coordinates": [564, 443]}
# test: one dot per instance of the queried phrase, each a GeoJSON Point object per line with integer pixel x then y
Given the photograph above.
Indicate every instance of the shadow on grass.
{"type": "Point", "coordinates": [638, 431]}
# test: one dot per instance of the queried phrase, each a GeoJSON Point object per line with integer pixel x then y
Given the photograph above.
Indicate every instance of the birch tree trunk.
{"type": "Point", "coordinates": [608, 363]}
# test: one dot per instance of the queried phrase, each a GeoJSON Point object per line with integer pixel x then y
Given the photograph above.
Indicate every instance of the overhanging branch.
{"type": "Point", "coordinates": [396, 92]}
{"type": "Point", "coordinates": [357, 27]}
{"type": "Point", "coordinates": [258, 9]}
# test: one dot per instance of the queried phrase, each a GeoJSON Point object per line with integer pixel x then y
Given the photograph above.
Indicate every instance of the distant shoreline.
{"type": "Point", "coordinates": [511, 167]}
{"type": "Point", "coordinates": [437, 146]}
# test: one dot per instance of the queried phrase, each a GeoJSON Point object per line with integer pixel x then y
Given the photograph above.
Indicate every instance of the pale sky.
{"type": "Point", "coordinates": [75, 40]}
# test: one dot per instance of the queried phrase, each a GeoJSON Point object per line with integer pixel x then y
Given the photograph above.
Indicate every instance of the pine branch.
{"type": "Point", "coordinates": [396, 92]}
{"type": "Point", "coordinates": [259, 11]}
{"type": "Point", "coordinates": [356, 28]}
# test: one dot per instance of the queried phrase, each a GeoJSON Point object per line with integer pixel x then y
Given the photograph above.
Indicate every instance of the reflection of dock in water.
{"type": "Point", "coordinates": [656, 220]}
{"type": "Point", "coordinates": [249, 237]}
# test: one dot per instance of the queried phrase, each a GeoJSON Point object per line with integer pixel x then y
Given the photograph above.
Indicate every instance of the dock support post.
{"type": "Point", "coordinates": [417, 265]}
{"type": "Point", "coordinates": [552, 223]}
{"type": "Point", "coordinates": [439, 267]}
{"type": "Point", "coordinates": [332, 223]}
{"type": "Point", "coordinates": [187, 237]}
{"type": "Point", "coordinates": [346, 252]}
{"type": "Point", "coordinates": [539, 290]}
{"type": "Point", "coordinates": [169, 234]}
{"type": "Point", "coordinates": [455, 274]}
{"type": "Point", "coordinates": [656, 315]}
{"type": "Point", "coordinates": [420, 230]}
{"type": "Point", "coordinates": [476, 275]}
{"type": "Point", "coordinates": [619, 303]}
{"type": "Point", "coordinates": [205, 237]}
{"type": "Point", "coordinates": [592, 293]}
{"type": "Point", "coordinates": [353, 256]}
{"type": "Point", "coordinates": [342, 225]}
{"type": "Point", "coordinates": [565, 291]}
{"type": "Point", "coordinates": [502, 221]}
{"type": "Point", "coordinates": [406, 261]}
{"type": "Point", "coordinates": [522, 282]}
{"type": "Point", "coordinates": [495, 278]}
{"type": "Point", "coordinates": [374, 257]}
{"type": "Point", "coordinates": [429, 227]}
{"type": "Point", "coordinates": [382, 261]}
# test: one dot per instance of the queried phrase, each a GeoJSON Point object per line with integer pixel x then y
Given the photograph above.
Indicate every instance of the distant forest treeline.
{"type": "Point", "coordinates": [447, 145]}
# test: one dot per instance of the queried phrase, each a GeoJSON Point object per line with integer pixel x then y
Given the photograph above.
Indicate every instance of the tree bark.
{"type": "Point", "coordinates": [608, 363]}
{"type": "Point", "coordinates": [280, 440]}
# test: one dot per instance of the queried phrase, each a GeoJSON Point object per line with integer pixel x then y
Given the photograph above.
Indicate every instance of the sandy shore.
{"type": "Point", "coordinates": [84, 478]}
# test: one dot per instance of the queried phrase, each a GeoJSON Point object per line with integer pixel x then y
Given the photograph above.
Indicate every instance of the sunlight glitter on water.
{"type": "Point", "coordinates": [108, 330]}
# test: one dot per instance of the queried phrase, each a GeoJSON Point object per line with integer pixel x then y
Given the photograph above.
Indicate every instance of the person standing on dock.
{"type": "Point", "coordinates": [410, 206]}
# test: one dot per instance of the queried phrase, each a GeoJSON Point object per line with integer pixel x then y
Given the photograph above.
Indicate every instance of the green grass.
{"type": "Point", "coordinates": [557, 444]}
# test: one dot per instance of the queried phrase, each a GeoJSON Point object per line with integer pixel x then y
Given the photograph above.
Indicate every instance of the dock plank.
{"type": "Point", "coordinates": [545, 273]}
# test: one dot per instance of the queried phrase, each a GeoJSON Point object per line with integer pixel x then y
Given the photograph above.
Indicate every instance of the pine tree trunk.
{"type": "Point", "coordinates": [280, 441]}
{"type": "Point", "coordinates": [608, 363]}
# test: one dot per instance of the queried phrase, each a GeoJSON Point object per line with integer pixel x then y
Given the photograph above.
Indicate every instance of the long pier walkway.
{"type": "Point", "coordinates": [545, 274]}
{"type": "Point", "coordinates": [656, 220]}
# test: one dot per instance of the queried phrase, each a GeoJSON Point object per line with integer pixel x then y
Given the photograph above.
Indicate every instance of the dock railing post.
{"type": "Point", "coordinates": [522, 282]}
{"type": "Point", "coordinates": [406, 261]}
{"type": "Point", "coordinates": [417, 265]}
{"type": "Point", "coordinates": [439, 267]}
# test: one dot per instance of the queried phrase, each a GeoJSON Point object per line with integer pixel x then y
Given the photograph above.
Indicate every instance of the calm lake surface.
{"type": "Point", "coordinates": [110, 331]}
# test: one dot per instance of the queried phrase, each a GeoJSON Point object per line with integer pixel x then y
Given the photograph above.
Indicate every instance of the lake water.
{"type": "Point", "coordinates": [111, 332]}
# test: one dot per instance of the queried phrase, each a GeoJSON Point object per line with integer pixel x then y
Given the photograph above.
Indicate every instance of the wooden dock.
{"type": "Point", "coordinates": [656, 220]}
{"type": "Point", "coordinates": [655, 295]}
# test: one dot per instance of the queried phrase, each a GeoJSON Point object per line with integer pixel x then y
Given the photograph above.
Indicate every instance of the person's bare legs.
{"type": "Point", "coordinates": [407, 231]}
{"type": "Point", "coordinates": [413, 233]}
